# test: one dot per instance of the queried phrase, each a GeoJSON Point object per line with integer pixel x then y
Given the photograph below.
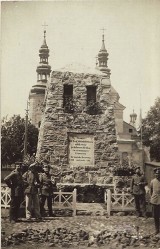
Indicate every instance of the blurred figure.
{"type": "Point", "coordinates": [15, 182]}
{"type": "Point", "coordinates": [32, 183]}
{"type": "Point", "coordinates": [137, 188]}
{"type": "Point", "coordinates": [155, 199]}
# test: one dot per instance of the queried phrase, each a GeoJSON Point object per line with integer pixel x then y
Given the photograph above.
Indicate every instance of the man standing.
{"type": "Point", "coordinates": [15, 182]}
{"type": "Point", "coordinates": [32, 183]}
{"type": "Point", "coordinates": [138, 184]}
{"type": "Point", "coordinates": [155, 199]}
{"type": "Point", "coordinates": [46, 190]}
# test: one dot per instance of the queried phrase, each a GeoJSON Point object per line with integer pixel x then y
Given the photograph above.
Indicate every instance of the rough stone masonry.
{"type": "Point", "coordinates": [61, 128]}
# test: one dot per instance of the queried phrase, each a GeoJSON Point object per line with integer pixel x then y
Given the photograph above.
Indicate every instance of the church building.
{"type": "Point", "coordinates": [80, 118]}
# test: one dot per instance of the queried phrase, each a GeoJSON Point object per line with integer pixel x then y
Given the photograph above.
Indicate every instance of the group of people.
{"type": "Point", "coordinates": [36, 187]}
{"type": "Point", "coordinates": [39, 188]}
{"type": "Point", "coordinates": [138, 189]}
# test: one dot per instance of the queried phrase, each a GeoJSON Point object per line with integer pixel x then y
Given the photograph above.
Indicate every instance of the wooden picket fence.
{"type": "Point", "coordinates": [118, 201]}
{"type": "Point", "coordinates": [62, 200]}
{"type": "Point", "coordinates": [5, 196]}
{"type": "Point", "coordinates": [65, 200]}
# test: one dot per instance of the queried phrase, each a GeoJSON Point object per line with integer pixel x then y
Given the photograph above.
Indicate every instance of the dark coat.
{"type": "Point", "coordinates": [31, 181]}
{"type": "Point", "coordinates": [155, 191]}
{"type": "Point", "coordinates": [138, 184]}
{"type": "Point", "coordinates": [15, 182]}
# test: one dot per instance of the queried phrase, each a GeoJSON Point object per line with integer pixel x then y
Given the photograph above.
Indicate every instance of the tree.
{"type": "Point", "coordinates": [12, 139]}
{"type": "Point", "coordinates": [151, 130]}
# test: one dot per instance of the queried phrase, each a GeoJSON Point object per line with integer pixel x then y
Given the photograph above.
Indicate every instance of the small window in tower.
{"type": "Point", "coordinates": [130, 130]}
{"type": "Point", "coordinates": [91, 95]}
{"type": "Point", "coordinates": [68, 98]}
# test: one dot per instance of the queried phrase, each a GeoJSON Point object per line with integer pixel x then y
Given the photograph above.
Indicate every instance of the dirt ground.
{"type": "Point", "coordinates": [92, 224]}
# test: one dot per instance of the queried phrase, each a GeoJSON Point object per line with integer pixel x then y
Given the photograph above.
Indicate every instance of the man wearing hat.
{"type": "Point", "coordinates": [155, 199]}
{"type": "Point", "coordinates": [31, 180]}
{"type": "Point", "coordinates": [15, 182]}
{"type": "Point", "coordinates": [138, 184]}
{"type": "Point", "coordinates": [47, 187]}
{"type": "Point", "coordinates": [46, 190]}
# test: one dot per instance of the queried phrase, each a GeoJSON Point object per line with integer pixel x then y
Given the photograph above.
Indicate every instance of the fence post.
{"type": "Point", "coordinates": [74, 201]}
{"type": "Point", "coordinates": [105, 196]}
{"type": "Point", "coordinates": [123, 195]}
{"type": "Point", "coordinates": [6, 195]}
{"type": "Point", "coordinates": [60, 196]}
{"type": "Point", "coordinates": [26, 198]}
{"type": "Point", "coordinates": [109, 202]}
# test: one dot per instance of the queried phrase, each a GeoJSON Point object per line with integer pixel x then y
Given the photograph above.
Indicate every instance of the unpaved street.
{"type": "Point", "coordinates": [81, 232]}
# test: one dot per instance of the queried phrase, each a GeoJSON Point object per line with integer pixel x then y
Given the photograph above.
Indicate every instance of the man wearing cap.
{"type": "Point", "coordinates": [47, 183]}
{"type": "Point", "coordinates": [155, 199]}
{"type": "Point", "coordinates": [138, 184]}
{"type": "Point", "coordinates": [15, 182]}
{"type": "Point", "coordinates": [32, 183]}
{"type": "Point", "coordinates": [47, 187]}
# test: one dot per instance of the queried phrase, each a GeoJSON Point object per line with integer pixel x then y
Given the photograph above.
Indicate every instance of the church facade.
{"type": "Point", "coordinates": [80, 118]}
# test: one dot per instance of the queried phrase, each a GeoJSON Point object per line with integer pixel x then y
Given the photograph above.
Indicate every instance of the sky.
{"type": "Point", "coordinates": [74, 35]}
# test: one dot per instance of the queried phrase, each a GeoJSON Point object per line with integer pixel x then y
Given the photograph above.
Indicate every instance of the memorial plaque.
{"type": "Point", "coordinates": [81, 150]}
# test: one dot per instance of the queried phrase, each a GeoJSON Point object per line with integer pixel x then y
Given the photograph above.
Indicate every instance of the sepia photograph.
{"type": "Point", "coordinates": [80, 124]}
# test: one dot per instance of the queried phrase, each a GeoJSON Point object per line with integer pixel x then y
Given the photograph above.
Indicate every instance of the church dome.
{"type": "Point", "coordinates": [44, 51]}
{"type": "Point", "coordinates": [102, 53]}
{"type": "Point", "coordinates": [43, 65]}
{"type": "Point", "coordinates": [133, 114]}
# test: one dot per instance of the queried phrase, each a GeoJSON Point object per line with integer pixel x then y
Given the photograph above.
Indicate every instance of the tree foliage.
{"type": "Point", "coordinates": [151, 130]}
{"type": "Point", "coordinates": [12, 139]}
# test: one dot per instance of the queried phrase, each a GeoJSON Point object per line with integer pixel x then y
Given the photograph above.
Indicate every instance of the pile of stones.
{"type": "Point", "coordinates": [66, 238]}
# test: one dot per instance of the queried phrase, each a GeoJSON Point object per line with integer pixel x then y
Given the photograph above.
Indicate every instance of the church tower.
{"type": "Point", "coordinates": [103, 58]}
{"type": "Point", "coordinates": [133, 117]}
{"type": "Point", "coordinates": [37, 92]}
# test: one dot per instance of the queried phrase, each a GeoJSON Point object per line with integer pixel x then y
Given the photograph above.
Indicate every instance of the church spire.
{"type": "Point", "coordinates": [103, 44]}
{"type": "Point", "coordinates": [37, 92]}
{"type": "Point", "coordinates": [44, 69]}
{"type": "Point", "coordinates": [44, 40]}
{"type": "Point", "coordinates": [103, 58]}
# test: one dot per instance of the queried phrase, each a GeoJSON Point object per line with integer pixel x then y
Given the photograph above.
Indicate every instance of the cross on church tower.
{"type": "Point", "coordinates": [103, 34]}
{"type": "Point", "coordinates": [103, 30]}
{"type": "Point", "coordinates": [44, 25]}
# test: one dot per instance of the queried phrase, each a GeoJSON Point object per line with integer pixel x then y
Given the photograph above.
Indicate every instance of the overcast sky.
{"type": "Point", "coordinates": [132, 39]}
